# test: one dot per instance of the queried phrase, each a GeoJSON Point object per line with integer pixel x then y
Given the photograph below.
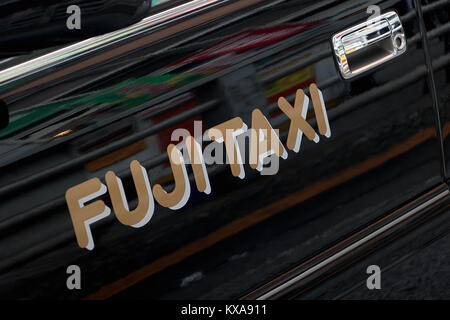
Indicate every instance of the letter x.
{"type": "Point", "coordinates": [299, 125]}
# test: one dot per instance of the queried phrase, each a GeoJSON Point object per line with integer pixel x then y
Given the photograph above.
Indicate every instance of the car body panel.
{"type": "Point", "coordinates": [384, 151]}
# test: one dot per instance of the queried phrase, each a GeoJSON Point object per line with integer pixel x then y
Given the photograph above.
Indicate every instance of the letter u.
{"type": "Point", "coordinates": [146, 204]}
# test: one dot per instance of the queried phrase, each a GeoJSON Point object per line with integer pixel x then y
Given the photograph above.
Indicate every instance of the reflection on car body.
{"type": "Point", "coordinates": [329, 203]}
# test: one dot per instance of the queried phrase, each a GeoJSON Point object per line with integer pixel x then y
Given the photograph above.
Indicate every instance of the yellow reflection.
{"type": "Point", "coordinates": [62, 133]}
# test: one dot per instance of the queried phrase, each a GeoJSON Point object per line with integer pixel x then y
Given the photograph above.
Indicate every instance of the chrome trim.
{"type": "Point", "coordinates": [93, 44]}
{"type": "Point", "coordinates": [354, 47]}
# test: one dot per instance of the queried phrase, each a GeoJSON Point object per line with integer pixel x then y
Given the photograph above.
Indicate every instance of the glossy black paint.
{"type": "Point", "coordinates": [4, 114]}
{"type": "Point", "coordinates": [384, 151]}
{"type": "Point", "coordinates": [439, 43]}
{"type": "Point", "coordinates": [29, 25]}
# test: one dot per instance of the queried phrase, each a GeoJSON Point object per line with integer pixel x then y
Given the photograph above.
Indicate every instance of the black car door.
{"type": "Point", "coordinates": [358, 164]}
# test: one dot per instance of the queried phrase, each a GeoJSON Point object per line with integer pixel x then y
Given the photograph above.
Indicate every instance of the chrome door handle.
{"type": "Point", "coordinates": [369, 44]}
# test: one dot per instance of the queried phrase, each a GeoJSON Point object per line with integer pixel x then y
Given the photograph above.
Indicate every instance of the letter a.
{"type": "Point", "coordinates": [74, 280]}
{"type": "Point", "coordinates": [374, 281]}
{"type": "Point", "coordinates": [264, 141]}
{"type": "Point", "coordinates": [73, 21]}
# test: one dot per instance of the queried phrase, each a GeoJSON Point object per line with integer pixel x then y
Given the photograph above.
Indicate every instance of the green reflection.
{"type": "Point", "coordinates": [127, 94]}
